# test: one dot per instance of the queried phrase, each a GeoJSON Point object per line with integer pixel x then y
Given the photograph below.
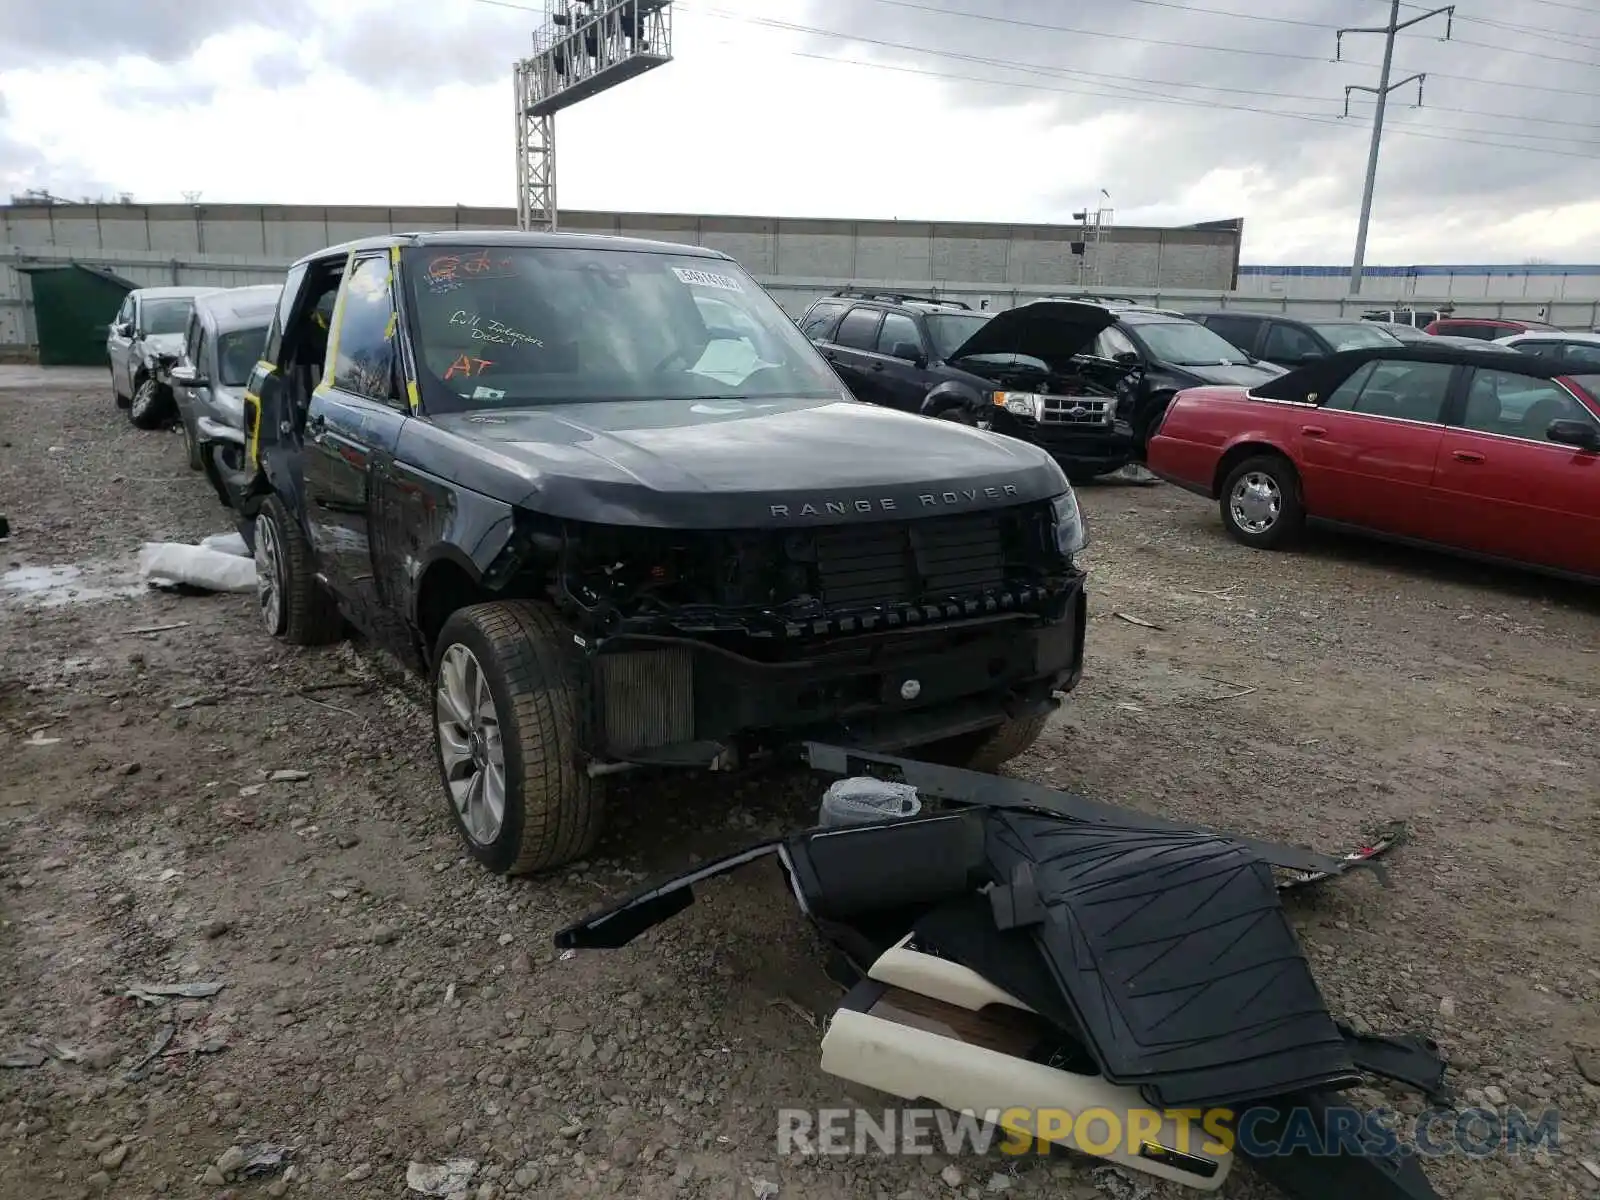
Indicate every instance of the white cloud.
{"type": "Point", "coordinates": [409, 103]}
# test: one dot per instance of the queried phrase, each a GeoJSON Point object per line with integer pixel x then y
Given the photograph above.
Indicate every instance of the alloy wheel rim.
{"type": "Point", "coordinates": [1256, 502]}
{"type": "Point", "coordinates": [143, 398]}
{"type": "Point", "coordinates": [470, 744]}
{"type": "Point", "coordinates": [269, 583]}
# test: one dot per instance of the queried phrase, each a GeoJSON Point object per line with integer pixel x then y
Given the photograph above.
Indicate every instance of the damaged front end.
{"type": "Point", "coordinates": [704, 645]}
{"type": "Point", "coordinates": [1038, 955]}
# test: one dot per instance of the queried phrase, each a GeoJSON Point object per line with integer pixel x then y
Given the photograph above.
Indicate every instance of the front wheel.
{"type": "Point", "coordinates": [150, 406]}
{"type": "Point", "coordinates": [1261, 503]}
{"type": "Point", "coordinates": [191, 444]}
{"type": "Point", "coordinates": [292, 604]}
{"type": "Point", "coordinates": [509, 701]}
{"type": "Point", "coordinates": [962, 417]}
{"type": "Point", "coordinates": [987, 749]}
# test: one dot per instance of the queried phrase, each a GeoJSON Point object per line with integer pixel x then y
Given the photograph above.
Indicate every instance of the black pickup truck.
{"type": "Point", "coordinates": [623, 514]}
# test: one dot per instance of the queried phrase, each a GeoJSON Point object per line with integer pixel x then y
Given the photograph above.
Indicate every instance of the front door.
{"type": "Point", "coordinates": [1509, 491]}
{"type": "Point", "coordinates": [351, 431]}
{"type": "Point", "coordinates": [901, 380]}
{"type": "Point", "coordinates": [1366, 454]}
{"type": "Point", "coordinates": [117, 345]}
{"type": "Point", "coordinates": [854, 344]}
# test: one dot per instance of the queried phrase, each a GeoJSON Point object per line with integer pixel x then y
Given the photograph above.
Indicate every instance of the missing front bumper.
{"type": "Point", "coordinates": [655, 696]}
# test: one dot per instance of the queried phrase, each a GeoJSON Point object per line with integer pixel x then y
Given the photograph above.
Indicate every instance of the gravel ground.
{"type": "Point", "coordinates": [384, 1001]}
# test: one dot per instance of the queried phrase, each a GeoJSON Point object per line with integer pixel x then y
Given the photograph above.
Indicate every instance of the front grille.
{"type": "Point", "coordinates": [1076, 410]}
{"type": "Point", "coordinates": [908, 562]}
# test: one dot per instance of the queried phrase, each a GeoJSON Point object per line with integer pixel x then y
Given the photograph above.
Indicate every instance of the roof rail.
{"type": "Point", "coordinates": [897, 298]}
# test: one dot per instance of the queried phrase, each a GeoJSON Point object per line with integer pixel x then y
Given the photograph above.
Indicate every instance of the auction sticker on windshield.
{"type": "Point", "coordinates": [707, 279]}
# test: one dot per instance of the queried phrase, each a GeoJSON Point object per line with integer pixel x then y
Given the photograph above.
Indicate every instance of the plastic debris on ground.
{"type": "Point", "coordinates": [441, 1179]}
{"type": "Point", "coordinates": [173, 564]}
{"type": "Point", "coordinates": [226, 543]}
{"type": "Point", "coordinates": [263, 1158]}
{"type": "Point", "coordinates": [862, 800]}
{"type": "Point", "coordinates": [159, 993]}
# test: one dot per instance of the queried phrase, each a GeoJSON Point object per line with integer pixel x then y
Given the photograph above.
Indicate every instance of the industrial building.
{"type": "Point", "coordinates": [796, 259]}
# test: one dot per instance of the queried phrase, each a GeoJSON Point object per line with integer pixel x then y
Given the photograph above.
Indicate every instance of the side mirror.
{"type": "Point", "coordinates": [1127, 356]}
{"type": "Point", "coordinates": [122, 328]}
{"type": "Point", "coordinates": [909, 351]}
{"type": "Point", "coordinates": [187, 375]}
{"type": "Point", "coordinates": [1581, 434]}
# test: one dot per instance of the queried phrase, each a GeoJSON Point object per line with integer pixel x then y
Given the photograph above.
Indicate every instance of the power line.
{"type": "Point", "coordinates": [1122, 83]}
{"type": "Point", "coordinates": [1315, 118]}
{"type": "Point", "coordinates": [1046, 27]}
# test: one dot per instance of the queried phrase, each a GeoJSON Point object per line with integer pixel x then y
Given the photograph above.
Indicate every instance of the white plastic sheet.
{"type": "Point", "coordinates": [167, 563]}
{"type": "Point", "coordinates": [227, 543]}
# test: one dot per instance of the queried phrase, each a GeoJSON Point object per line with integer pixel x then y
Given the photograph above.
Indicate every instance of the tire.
{"type": "Point", "coordinates": [1079, 478]}
{"type": "Point", "coordinates": [292, 604]}
{"type": "Point", "coordinates": [518, 656]}
{"type": "Point", "coordinates": [1267, 512]}
{"type": "Point", "coordinates": [191, 444]}
{"type": "Point", "coordinates": [987, 749]}
{"type": "Point", "coordinates": [151, 406]}
{"type": "Point", "coordinates": [961, 416]}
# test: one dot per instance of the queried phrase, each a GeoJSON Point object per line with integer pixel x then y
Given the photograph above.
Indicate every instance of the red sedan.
{"type": "Point", "coordinates": [1485, 453]}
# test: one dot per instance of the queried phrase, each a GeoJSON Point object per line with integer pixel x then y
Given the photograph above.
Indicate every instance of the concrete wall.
{"type": "Point", "coordinates": [238, 244]}
{"type": "Point", "coordinates": [1541, 283]}
{"type": "Point", "coordinates": [797, 260]}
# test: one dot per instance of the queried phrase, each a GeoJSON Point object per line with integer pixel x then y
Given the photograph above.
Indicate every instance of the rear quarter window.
{"type": "Point", "coordinates": [820, 319]}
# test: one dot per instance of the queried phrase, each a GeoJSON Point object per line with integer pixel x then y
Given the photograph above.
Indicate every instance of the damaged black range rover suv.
{"type": "Point", "coordinates": [620, 511]}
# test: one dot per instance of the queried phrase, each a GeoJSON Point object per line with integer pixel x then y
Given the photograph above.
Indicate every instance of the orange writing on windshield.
{"type": "Point", "coordinates": [458, 267]}
{"type": "Point", "coordinates": [468, 366]}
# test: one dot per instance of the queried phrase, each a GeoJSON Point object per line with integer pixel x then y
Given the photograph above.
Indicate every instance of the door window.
{"type": "Point", "coordinates": [1412, 391]}
{"type": "Point", "coordinates": [1285, 343]}
{"type": "Point", "coordinates": [197, 359]}
{"type": "Point", "coordinates": [1514, 405]}
{"type": "Point", "coordinates": [898, 330]}
{"type": "Point", "coordinates": [859, 329]}
{"type": "Point", "coordinates": [191, 342]}
{"type": "Point", "coordinates": [291, 292]}
{"type": "Point", "coordinates": [1112, 342]}
{"type": "Point", "coordinates": [366, 321]}
{"type": "Point", "coordinates": [125, 313]}
{"type": "Point", "coordinates": [1241, 331]}
{"type": "Point", "coordinates": [820, 320]}
{"type": "Point", "coordinates": [1580, 358]}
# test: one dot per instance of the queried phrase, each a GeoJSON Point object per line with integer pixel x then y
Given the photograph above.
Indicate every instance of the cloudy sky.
{"type": "Point", "coordinates": [1183, 110]}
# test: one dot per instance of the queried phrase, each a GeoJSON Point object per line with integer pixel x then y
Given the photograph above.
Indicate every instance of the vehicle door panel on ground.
{"type": "Point", "coordinates": [353, 425]}
{"type": "Point", "coordinates": [902, 354]}
{"type": "Point", "coordinates": [854, 343]}
{"type": "Point", "coordinates": [1511, 492]}
{"type": "Point", "coordinates": [1366, 455]}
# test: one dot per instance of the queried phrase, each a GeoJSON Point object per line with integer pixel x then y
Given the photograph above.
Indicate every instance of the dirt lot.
{"type": "Point", "coordinates": [384, 1001]}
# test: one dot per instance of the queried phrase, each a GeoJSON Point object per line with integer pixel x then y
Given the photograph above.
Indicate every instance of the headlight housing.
{"type": "Point", "coordinates": [1020, 404]}
{"type": "Point", "coordinates": [1071, 536]}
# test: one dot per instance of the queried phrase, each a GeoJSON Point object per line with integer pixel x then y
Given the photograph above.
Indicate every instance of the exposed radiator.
{"type": "Point", "coordinates": [647, 698]}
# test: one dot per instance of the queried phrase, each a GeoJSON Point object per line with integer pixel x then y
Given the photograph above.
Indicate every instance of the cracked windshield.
{"type": "Point", "coordinates": [511, 325]}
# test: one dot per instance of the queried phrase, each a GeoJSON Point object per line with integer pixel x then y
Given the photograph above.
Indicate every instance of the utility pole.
{"type": "Point", "coordinates": [1382, 91]}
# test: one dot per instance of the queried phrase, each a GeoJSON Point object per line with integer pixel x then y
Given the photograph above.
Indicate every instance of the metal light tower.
{"type": "Point", "coordinates": [584, 48]}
